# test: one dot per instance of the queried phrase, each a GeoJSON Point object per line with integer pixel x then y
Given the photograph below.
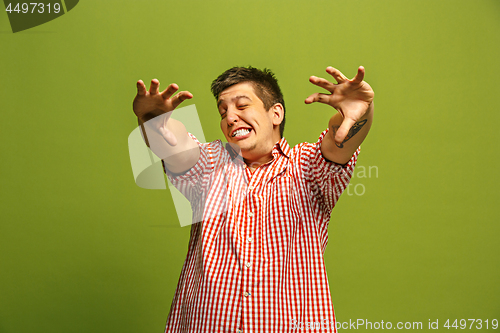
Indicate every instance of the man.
{"type": "Point", "coordinates": [255, 262]}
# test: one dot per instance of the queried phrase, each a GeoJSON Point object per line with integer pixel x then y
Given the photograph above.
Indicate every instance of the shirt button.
{"type": "Point", "coordinates": [248, 264]}
{"type": "Point", "coordinates": [246, 294]}
{"type": "Point", "coordinates": [250, 188]}
{"type": "Point", "coordinates": [239, 331]}
{"type": "Point", "coordinates": [250, 214]}
{"type": "Point", "coordinates": [249, 239]}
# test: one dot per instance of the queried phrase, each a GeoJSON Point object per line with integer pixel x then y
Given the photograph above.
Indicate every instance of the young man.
{"type": "Point", "coordinates": [255, 262]}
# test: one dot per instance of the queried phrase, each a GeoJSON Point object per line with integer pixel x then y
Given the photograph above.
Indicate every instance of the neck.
{"type": "Point", "coordinates": [259, 155]}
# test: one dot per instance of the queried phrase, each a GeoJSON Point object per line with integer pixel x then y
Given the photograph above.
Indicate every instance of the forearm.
{"type": "Point", "coordinates": [342, 153]}
{"type": "Point", "coordinates": [178, 158]}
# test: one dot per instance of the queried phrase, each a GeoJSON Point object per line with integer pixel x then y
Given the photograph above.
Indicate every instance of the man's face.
{"type": "Point", "coordinates": [246, 123]}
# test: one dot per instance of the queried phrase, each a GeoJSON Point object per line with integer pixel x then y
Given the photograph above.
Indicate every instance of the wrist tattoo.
{"type": "Point", "coordinates": [352, 132]}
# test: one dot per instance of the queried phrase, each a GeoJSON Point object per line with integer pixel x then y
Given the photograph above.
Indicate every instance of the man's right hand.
{"type": "Point", "coordinates": [148, 105]}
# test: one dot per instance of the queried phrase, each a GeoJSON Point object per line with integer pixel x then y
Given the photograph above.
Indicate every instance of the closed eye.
{"type": "Point", "coordinates": [222, 112]}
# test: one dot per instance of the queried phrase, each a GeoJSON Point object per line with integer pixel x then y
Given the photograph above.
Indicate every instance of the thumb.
{"type": "Point", "coordinates": [343, 130]}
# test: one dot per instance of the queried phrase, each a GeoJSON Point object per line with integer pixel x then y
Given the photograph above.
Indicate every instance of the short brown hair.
{"type": "Point", "coordinates": [264, 82]}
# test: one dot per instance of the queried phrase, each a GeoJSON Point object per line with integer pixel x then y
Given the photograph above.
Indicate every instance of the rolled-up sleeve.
{"type": "Point", "coordinates": [327, 179]}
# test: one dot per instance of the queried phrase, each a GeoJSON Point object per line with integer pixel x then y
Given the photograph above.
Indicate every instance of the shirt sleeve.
{"type": "Point", "coordinates": [327, 180]}
{"type": "Point", "coordinates": [194, 183]}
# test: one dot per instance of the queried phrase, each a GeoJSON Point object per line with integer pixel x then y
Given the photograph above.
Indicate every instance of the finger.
{"type": "Point", "coordinates": [171, 89]}
{"type": "Point", "coordinates": [337, 75]}
{"type": "Point", "coordinates": [141, 88]}
{"type": "Point", "coordinates": [323, 83]}
{"type": "Point", "coordinates": [153, 88]}
{"type": "Point", "coordinates": [317, 97]}
{"type": "Point", "coordinates": [360, 75]}
{"type": "Point", "coordinates": [181, 97]}
{"type": "Point", "coordinates": [343, 130]}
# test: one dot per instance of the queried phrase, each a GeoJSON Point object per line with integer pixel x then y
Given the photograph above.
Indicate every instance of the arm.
{"type": "Point", "coordinates": [353, 99]}
{"type": "Point", "coordinates": [166, 137]}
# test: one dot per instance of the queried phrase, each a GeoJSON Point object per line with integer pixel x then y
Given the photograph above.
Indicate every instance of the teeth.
{"type": "Point", "coordinates": [241, 132]}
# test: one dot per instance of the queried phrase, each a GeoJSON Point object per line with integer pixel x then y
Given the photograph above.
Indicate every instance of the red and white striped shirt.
{"type": "Point", "coordinates": [255, 262]}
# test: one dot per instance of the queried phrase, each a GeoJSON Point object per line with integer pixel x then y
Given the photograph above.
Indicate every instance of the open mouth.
{"type": "Point", "coordinates": [241, 133]}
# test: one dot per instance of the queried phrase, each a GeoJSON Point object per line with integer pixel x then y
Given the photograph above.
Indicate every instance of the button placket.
{"type": "Point", "coordinates": [247, 254]}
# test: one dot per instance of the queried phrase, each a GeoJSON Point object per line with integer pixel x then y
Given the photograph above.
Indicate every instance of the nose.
{"type": "Point", "coordinates": [232, 116]}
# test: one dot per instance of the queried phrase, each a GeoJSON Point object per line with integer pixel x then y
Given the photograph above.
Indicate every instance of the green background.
{"type": "Point", "coordinates": [83, 249]}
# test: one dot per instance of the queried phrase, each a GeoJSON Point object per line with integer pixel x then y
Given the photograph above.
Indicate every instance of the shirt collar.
{"type": "Point", "coordinates": [281, 148]}
{"type": "Point", "coordinates": [233, 151]}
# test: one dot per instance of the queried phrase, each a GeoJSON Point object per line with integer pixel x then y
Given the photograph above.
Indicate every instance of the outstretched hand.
{"type": "Point", "coordinates": [151, 104]}
{"type": "Point", "coordinates": [352, 98]}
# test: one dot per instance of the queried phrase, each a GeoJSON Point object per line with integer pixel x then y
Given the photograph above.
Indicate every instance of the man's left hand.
{"type": "Point", "coordinates": [352, 98]}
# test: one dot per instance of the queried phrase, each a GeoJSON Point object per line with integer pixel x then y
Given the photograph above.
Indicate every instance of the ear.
{"type": "Point", "coordinates": [278, 113]}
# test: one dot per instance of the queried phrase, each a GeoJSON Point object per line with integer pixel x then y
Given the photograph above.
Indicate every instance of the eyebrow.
{"type": "Point", "coordinates": [220, 101]}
